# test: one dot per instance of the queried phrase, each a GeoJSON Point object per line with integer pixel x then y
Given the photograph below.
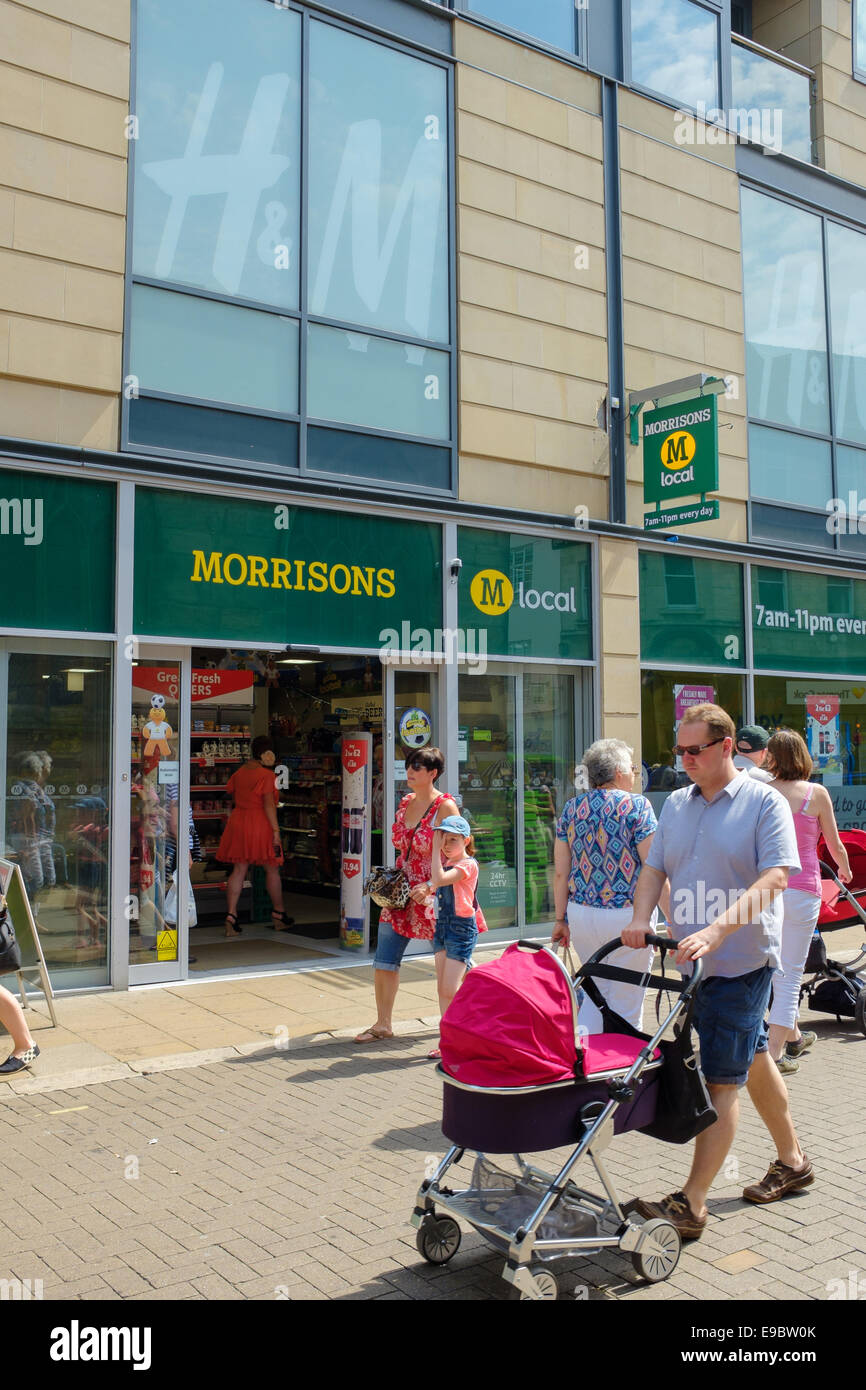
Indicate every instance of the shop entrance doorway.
{"type": "Point", "coordinates": [195, 714]}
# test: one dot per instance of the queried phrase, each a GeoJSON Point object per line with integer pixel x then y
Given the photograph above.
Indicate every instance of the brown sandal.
{"type": "Point", "coordinates": [373, 1034]}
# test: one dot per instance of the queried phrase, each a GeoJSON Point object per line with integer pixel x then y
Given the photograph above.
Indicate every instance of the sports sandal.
{"type": "Point", "coordinates": [373, 1034]}
{"type": "Point", "coordinates": [779, 1179]}
{"type": "Point", "coordinates": [673, 1208]}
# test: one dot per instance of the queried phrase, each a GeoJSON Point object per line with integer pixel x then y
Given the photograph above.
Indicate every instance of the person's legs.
{"type": "Point", "coordinates": [386, 981]}
{"type": "Point", "coordinates": [13, 1020]}
{"type": "Point", "coordinates": [450, 979]}
{"type": "Point", "coordinates": [801, 915]}
{"type": "Point", "coordinates": [712, 1147]}
{"type": "Point", "coordinates": [591, 928]}
{"type": "Point", "coordinates": [234, 888]}
{"type": "Point", "coordinates": [769, 1096]}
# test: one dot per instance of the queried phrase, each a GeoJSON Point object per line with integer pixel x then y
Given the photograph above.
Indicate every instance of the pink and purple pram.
{"type": "Point", "coordinates": [521, 1077]}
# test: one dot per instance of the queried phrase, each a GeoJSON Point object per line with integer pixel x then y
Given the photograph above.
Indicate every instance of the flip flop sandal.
{"type": "Point", "coordinates": [373, 1034]}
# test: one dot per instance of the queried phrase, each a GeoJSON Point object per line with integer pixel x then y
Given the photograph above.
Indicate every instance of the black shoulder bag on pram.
{"type": "Point", "coordinates": [683, 1107]}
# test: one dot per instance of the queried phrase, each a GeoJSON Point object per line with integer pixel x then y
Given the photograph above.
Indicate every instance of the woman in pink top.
{"type": "Point", "coordinates": [790, 764]}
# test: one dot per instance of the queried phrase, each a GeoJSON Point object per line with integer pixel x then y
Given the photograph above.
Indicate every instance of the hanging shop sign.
{"type": "Point", "coordinates": [809, 622]}
{"type": "Point", "coordinates": [822, 733]}
{"type": "Point", "coordinates": [523, 595]}
{"type": "Point", "coordinates": [681, 459]}
{"type": "Point", "coordinates": [56, 552]}
{"type": "Point", "coordinates": [235, 570]}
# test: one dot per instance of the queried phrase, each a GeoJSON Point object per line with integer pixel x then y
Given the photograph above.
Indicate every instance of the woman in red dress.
{"type": "Point", "coordinates": [252, 835]}
{"type": "Point", "coordinates": [412, 835]}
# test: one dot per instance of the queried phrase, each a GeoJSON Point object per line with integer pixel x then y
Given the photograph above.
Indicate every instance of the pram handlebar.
{"type": "Point", "coordinates": [635, 977]}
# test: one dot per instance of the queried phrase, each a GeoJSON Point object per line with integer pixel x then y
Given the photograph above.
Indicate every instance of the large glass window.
{"type": "Point", "coordinates": [691, 610]}
{"type": "Point", "coordinates": [831, 717]}
{"type": "Point", "coordinates": [364, 380]}
{"type": "Point", "coordinates": [675, 50]}
{"type": "Point", "coordinates": [846, 259]}
{"type": "Point", "coordinates": [378, 244]}
{"type": "Point", "coordinates": [859, 31]}
{"type": "Point", "coordinates": [224, 89]}
{"type": "Point", "coordinates": [188, 346]}
{"type": "Point", "coordinates": [217, 154]}
{"type": "Point", "coordinates": [552, 21]}
{"type": "Point", "coordinates": [665, 695]}
{"type": "Point", "coordinates": [57, 797]}
{"type": "Point", "coordinates": [786, 331]}
{"type": "Point", "coordinates": [788, 301]}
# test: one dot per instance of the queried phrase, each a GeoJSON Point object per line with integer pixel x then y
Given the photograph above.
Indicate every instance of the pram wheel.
{"type": "Point", "coordinates": [438, 1239]}
{"type": "Point", "coordinates": [658, 1264]}
{"type": "Point", "coordinates": [546, 1282]}
{"type": "Point", "coordinates": [860, 1011]}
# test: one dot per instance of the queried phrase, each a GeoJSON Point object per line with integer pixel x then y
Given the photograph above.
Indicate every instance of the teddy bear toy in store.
{"type": "Point", "coordinates": [158, 730]}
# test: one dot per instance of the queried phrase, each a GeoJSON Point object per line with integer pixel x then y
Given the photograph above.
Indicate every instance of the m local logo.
{"type": "Point", "coordinates": [677, 450]}
{"type": "Point", "coordinates": [493, 593]}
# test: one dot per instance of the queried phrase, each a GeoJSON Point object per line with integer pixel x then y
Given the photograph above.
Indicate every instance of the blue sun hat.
{"type": "Point", "coordinates": [455, 825]}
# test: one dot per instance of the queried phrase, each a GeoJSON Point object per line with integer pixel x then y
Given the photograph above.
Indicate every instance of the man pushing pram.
{"type": "Point", "coordinates": [727, 838]}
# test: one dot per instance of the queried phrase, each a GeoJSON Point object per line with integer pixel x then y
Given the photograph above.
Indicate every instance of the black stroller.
{"type": "Point", "coordinates": [838, 983]}
{"type": "Point", "coordinates": [521, 1077]}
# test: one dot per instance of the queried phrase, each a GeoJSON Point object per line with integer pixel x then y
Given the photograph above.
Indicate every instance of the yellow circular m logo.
{"type": "Point", "coordinates": [678, 449]}
{"type": "Point", "coordinates": [492, 592]}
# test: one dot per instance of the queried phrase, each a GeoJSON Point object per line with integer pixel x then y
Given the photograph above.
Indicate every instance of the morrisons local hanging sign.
{"type": "Point", "coordinates": [681, 459]}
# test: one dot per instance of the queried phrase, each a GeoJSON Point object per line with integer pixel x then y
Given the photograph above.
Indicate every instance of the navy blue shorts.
{"type": "Point", "coordinates": [729, 1018]}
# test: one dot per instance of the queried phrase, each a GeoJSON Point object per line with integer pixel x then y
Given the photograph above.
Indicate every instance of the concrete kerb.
{"type": "Point", "coordinates": [120, 1071]}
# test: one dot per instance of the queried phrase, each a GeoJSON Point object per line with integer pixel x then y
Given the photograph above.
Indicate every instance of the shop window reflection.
{"type": "Point", "coordinates": [831, 717]}
{"type": "Point", "coordinates": [57, 801]}
{"type": "Point", "coordinates": [664, 697]}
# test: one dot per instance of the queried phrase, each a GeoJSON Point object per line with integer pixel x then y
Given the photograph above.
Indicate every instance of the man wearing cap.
{"type": "Point", "coordinates": [751, 745]}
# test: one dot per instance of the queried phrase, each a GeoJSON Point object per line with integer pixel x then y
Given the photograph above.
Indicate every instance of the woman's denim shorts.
{"type": "Point", "coordinates": [729, 1018]}
{"type": "Point", "coordinates": [390, 948]}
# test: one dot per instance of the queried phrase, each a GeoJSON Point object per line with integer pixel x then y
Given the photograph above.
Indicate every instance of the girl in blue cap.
{"type": "Point", "coordinates": [454, 879]}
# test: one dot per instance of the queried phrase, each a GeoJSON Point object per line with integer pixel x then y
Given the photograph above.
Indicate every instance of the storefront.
{"type": "Point", "coordinates": [57, 544]}
{"type": "Point", "coordinates": [130, 692]}
{"type": "Point", "coordinates": [799, 662]}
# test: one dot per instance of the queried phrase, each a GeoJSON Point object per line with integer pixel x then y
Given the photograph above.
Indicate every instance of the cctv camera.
{"type": "Point", "coordinates": [456, 566]}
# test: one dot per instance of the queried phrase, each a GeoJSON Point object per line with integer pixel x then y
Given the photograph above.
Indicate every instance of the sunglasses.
{"type": "Point", "coordinates": [417, 767]}
{"type": "Point", "coordinates": [693, 749]}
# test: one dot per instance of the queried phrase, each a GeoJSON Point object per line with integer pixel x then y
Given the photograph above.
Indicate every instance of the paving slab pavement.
{"type": "Point", "coordinates": [273, 1175]}
{"type": "Point", "coordinates": [149, 1029]}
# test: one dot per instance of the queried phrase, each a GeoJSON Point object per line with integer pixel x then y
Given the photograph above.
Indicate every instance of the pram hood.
{"type": "Point", "coordinates": [513, 1022]}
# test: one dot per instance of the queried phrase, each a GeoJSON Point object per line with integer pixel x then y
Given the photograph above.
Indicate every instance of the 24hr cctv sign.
{"type": "Point", "coordinates": [681, 450]}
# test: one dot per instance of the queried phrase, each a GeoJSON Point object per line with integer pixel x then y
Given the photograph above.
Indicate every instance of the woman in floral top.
{"type": "Point", "coordinates": [417, 816]}
{"type": "Point", "coordinates": [602, 839]}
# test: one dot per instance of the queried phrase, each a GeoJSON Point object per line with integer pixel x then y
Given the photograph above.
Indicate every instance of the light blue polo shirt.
{"type": "Point", "coordinates": [714, 851]}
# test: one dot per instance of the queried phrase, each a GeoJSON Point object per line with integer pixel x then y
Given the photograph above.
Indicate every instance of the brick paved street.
{"type": "Point", "coordinates": [292, 1174]}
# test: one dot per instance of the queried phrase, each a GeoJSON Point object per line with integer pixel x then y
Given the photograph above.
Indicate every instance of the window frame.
{"type": "Point", "coordinates": [858, 73]}
{"type": "Point", "coordinates": [463, 9]}
{"type": "Point", "coordinates": [721, 10]}
{"type": "Point", "coordinates": [831, 437]}
{"type": "Point", "coordinates": [302, 315]}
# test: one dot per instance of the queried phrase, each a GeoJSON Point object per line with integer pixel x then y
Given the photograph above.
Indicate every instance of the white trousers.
{"type": "Point", "coordinates": [801, 914]}
{"type": "Point", "coordinates": [592, 927]}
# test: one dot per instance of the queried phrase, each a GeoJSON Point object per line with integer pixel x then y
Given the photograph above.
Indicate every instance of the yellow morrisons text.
{"type": "Point", "coordinates": [277, 573]}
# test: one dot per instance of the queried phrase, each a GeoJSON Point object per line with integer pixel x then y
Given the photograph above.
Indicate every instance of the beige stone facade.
{"type": "Point", "coordinates": [64, 93]}
{"type": "Point", "coordinates": [531, 259]}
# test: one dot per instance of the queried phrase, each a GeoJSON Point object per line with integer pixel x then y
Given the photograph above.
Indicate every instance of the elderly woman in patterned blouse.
{"type": "Point", "coordinates": [602, 839]}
